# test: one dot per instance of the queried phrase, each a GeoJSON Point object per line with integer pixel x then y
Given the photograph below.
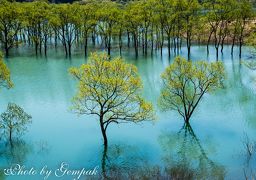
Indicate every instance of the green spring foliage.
{"type": "Point", "coordinates": [186, 82]}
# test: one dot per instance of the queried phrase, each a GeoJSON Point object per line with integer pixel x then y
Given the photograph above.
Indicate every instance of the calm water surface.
{"type": "Point", "coordinates": [212, 146]}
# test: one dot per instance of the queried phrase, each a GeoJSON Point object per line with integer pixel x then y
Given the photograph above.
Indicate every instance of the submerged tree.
{"type": "Point", "coordinates": [10, 24]}
{"type": "Point", "coordinates": [111, 90]}
{"type": "Point", "coordinates": [185, 83]}
{"type": "Point", "coordinates": [14, 120]}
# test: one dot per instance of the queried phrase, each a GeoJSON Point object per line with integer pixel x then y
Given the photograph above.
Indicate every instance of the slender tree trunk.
{"type": "Point", "coordinates": [36, 48]}
{"type": "Point", "coordinates": [152, 39]}
{"type": "Point", "coordinates": [233, 44]}
{"type": "Point", "coordinates": [162, 41]}
{"type": "Point", "coordinates": [85, 45]}
{"type": "Point", "coordinates": [103, 131]}
{"type": "Point", "coordinates": [135, 44]}
{"type": "Point", "coordinates": [128, 39]}
{"type": "Point", "coordinates": [217, 53]}
{"type": "Point", "coordinates": [69, 49]}
{"type": "Point", "coordinates": [208, 41]}
{"type": "Point", "coordinates": [6, 42]}
{"type": "Point", "coordinates": [109, 45]}
{"type": "Point", "coordinates": [240, 47]}
{"type": "Point", "coordinates": [188, 44]}
{"type": "Point", "coordinates": [169, 45]}
{"type": "Point", "coordinates": [146, 42]}
{"type": "Point", "coordinates": [45, 46]}
{"type": "Point", "coordinates": [222, 44]}
{"type": "Point", "coordinates": [120, 43]}
{"type": "Point", "coordinates": [66, 49]}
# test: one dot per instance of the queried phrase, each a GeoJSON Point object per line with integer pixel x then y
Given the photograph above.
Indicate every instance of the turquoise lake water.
{"type": "Point", "coordinates": [213, 147]}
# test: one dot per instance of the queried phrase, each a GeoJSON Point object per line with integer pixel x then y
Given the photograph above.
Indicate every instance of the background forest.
{"type": "Point", "coordinates": [147, 25]}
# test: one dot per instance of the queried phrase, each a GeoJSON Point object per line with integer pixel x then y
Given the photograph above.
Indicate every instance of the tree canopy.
{"type": "Point", "coordinates": [186, 82]}
{"type": "Point", "coordinates": [14, 120]}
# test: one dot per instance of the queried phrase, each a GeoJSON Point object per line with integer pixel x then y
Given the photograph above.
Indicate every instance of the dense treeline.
{"type": "Point", "coordinates": [145, 25]}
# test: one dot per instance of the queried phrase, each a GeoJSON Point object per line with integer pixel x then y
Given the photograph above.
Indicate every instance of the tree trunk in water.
{"type": "Point", "coordinates": [162, 41]}
{"type": "Point", "coordinates": [69, 49]}
{"type": "Point", "coordinates": [240, 48]}
{"type": "Point", "coordinates": [45, 49]}
{"type": "Point", "coordinates": [188, 46]}
{"type": "Point", "coordinates": [232, 47]}
{"type": "Point", "coordinates": [40, 47]}
{"type": "Point", "coordinates": [55, 40]}
{"type": "Point", "coordinates": [7, 52]}
{"type": "Point", "coordinates": [208, 42]}
{"type": "Point", "coordinates": [217, 53]}
{"type": "Point", "coordinates": [169, 46]}
{"type": "Point", "coordinates": [128, 39]}
{"type": "Point", "coordinates": [222, 45]}
{"type": "Point", "coordinates": [146, 42]}
{"type": "Point", "coordinates": [152, 40]}
{"type": "Point", "coordinates": [109, 45]}
{"type": "Point", "coordinates": [120, 43]}
{"type": "Point", "coordinates": [6, 43]}
{"type": "Point", "coordinates": [85, 46]}
{"type": "Point", "coordinates": [103, 131]}
{"type": "Point", "coordinates": [135, 45]}
{"type": "Point", "coordinates": [45, 46]}
{"type": "Point", "coordinates": [36, 48]}
{"type": "Point", "coordinates": [65, 47]}
{"type": "Point", "coordinates": [189, 52]}
{"type": "Point", "coordinates": [186, 118]}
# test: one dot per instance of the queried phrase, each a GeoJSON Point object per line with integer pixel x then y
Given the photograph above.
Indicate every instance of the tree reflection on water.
{"type": "Point", "coordinates": [183, 158]}
{"type": "Point", "coordinates": [15, 152]}
{"type": "Point", "coordinates": [124, 161]}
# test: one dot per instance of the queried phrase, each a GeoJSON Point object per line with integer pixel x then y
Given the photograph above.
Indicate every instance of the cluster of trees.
{"type": "Point", "coordinates": [145, 24]}
{"type": "Point", "coordinates": [111, 89]}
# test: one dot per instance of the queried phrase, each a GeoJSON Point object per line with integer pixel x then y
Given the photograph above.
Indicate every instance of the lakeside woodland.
{"type": "Point", "coordinates": [145, 25]}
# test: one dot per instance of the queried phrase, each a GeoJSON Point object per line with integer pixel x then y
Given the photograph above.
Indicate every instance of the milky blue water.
{"type": "Point", "coordinates": [214, 147]}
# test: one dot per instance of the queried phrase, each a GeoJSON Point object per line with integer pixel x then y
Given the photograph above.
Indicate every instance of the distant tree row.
{"type": "Point", "coordinates": [145, 25]}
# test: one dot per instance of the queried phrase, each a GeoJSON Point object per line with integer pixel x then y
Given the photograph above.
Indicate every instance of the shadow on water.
{"type": "Point", "coordinates": [185, 158]}
{"type": "Point", "coordinates": [15, 152]}
{"type": "Point", "coordinates": [126, 162]}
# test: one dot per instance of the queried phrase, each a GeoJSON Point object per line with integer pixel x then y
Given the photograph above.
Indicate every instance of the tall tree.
{"type": "Point", "coordinates": [186, 82]}
{"type": "Point", "coordinates": [14, 120]}
{"type": "Point", "coordinates": [89, 20]}
{"type": "Point", "coordinates": [245, 13]}
{"type": "Point", "coordinates": [107, 14]}
{"type": "Point", "coordinates": [66, 24]}
{"type": "Point", "coordinates": [111, 90]}
{"type": "Point", "coordinates": [191, 16]}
